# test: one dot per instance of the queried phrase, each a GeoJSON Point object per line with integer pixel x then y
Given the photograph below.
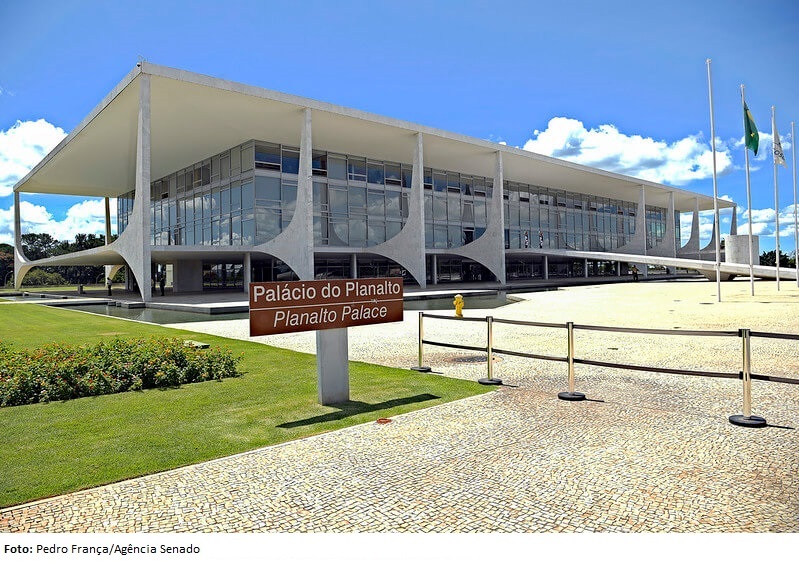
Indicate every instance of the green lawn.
{"type": "Point", "coordinates": [50, 449]}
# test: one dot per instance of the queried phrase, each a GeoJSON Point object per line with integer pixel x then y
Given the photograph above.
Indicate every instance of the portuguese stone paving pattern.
{"type": "Point", "coordinates": [647, 452]}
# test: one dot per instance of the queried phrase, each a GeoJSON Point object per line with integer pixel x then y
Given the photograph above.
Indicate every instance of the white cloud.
{"type": "Point", "coordinates": [22, 147]}
{"type": "Point", "coordinates": [607, 148]}
{"type": "Point", "coordinates": [765, 147]}
{"type": "Point", "coordinates": [85, 217]}
{"type": "Point", "coordinates": [764, 222]}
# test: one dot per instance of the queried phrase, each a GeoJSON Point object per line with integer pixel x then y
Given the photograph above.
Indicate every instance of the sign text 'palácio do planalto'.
{"type": "Point", "coordinates": [297, 306]}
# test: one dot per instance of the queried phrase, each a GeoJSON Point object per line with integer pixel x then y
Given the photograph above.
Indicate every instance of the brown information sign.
{"type": "Point", "coordinates": [298, 306]}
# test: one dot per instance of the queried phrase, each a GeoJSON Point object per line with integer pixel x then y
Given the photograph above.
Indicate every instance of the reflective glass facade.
{"type": "Point", "coordinates": [243, 196]}
{"type": "Point", "coordinates": [455, 207]}
{"type": "Point", "coordinates": [247, 195]}
{"type": "Point", "coordinates": [550, 218]}
{"type": "Point", "coordinates": [358, 202]}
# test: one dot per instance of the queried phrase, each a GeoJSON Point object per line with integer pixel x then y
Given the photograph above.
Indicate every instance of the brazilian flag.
{"type": "Point", "coordinates": [752, 139]}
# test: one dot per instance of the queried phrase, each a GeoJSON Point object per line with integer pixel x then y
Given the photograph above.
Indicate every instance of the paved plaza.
{"type": "Point", "coordinates": [648, 452]}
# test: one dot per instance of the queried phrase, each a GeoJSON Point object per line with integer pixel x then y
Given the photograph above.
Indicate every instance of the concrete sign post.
{"type": "Point", "coordinates": [330, 307]}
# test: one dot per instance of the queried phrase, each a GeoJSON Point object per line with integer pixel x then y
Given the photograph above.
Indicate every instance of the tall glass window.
{"type": "Point", "coordinates": [243, 196]}
{"type": "Point", "coordinates": [542, 217]}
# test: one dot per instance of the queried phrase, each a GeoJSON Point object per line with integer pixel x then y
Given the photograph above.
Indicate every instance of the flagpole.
{"type": "Point", "coordinates": [748, 202]}
{"type": "Point", "coordinates": [716, 227]}
{"type": "Point", "coordinates": [776, 197]}
{"type": "Point", "coordinates": [795, 225]}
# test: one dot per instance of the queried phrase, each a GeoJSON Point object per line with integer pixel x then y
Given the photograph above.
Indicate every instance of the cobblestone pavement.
{"type": "Point", "coordinates": [647, 453]}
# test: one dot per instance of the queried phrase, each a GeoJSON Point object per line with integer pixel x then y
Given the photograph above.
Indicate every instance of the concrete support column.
{"type": "Point", "coordinates": [434, 267]}
{"type": "Point", "coordinates": [354, 266]}
{"type": "Point", "coordinates": [108, 268]}
{"type": "Point", "coordinates": [140, 261]}
{"type": "Point", "coordinates": [416, 204]}
{"type": "Point", "coordinates": [294, 246]}
{"type": "Point", "coordinates": [545, 267]}
{"type": "Point", "coordinates": [107, 221]}
{"type": "Point", "coordinates": [640, 217]}
{"type": "Point", "coordinates": [691, 248]}
{"type": "Point", "coordinates": [695, 230]}
{"type": "Point", "coordinates": [489, 249]}
{"type": "Point", "coordinates": [671, 232]}
{"type": "Point", "coordinates": [17, 223]}
{"type": "Point", "coordinates": [499, 214]}
{"type": "Point", "coordinates": [333, 381]}
{"type": "Point", "coordinates": [585, 268]}
{"type": "Point", "coordinates": [408, 247]}
{"type": "Point", "coordinates": [618, 269]}
{"type": "Point", "coordinates": [20, 269]}
{"type": "Point", "coordinates": [247, 272]}
{"type": "Point", "coordinates": [304, 266]}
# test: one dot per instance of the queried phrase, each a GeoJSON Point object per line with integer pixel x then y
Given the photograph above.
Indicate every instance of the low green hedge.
{"type": "Point", "coordinates": [63, 372]}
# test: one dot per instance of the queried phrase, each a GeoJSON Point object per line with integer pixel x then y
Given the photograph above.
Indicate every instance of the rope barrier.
{"type": "Point", "coordinates": [775, 336]}
{"type": "Point", "coordinates": [460, 319]}
{"type": "Point", "coordinates": [746, 375]}
{"type": "Point", "coordinates": [656, 331]}
{"type": "Point", "coordinates": [771, 378]}
{"type": "Point", "coordinates": [535, 324]}
{"type": "Point", "coordinates": [657, 369]}
{"type": "Point", "coordinates": [530, 355]}
{"type": "Point", "coordinates": [454, 345]}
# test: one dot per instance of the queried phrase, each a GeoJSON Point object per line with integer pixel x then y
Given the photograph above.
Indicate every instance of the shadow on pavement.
{"type": "Point", "coordinates": [353, 408]}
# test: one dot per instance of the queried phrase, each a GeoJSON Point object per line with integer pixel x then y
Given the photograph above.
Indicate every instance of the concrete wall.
{"type": "Point", "coordinates": [736, 249]}
{"type": "Point", "coordinates": [187, 276]}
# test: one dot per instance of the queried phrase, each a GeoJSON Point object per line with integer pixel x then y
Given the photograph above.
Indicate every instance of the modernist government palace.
{"type": "Point", "coordinates": [218, 184]}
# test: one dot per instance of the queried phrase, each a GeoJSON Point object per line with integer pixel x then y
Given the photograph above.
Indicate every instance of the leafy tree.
{"type": "Point", "coordinates": [37, 246]}
{"type": "Point", "coordinates": [36, 277]}
{"type": "Point", "coordinates": [6, 262]}
{"type": "Point", "coordinates": [769, 258]}
{"type": "Point", "coordinates": [41, 245]}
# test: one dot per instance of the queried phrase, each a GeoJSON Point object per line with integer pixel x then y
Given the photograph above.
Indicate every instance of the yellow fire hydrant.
{"type": "Point", "coordinates": [458, 303]}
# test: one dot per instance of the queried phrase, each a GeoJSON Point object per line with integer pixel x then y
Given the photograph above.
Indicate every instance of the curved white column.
{"type": "Point", "coordinates": [408, 247]}
{"type": "Point", "coordinates": [134, 243]}
{"type": "Point", "coordinates": [691, 248]}
{"type": "Point", "coordinates": [638, 243]}
{"type": "Point", "coordinates": [489, 249]}
{"type": "Point", "coordinates": [21, 263]}
{"type": "Point", "coordinates": [294, 245]}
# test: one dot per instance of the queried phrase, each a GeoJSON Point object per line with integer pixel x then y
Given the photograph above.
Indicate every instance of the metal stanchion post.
{"type": "Point", "coordinates": [571, 395]}
{"type": "Point", "coordinates": [747, 419]}
{"type": "Point", "coordinates": [421, 368]}
{"type": "Point", "coordinates": [490, 352]}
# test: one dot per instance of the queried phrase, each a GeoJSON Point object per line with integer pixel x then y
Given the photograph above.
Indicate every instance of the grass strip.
{"type": "Point", "coordinates": [55, 448]}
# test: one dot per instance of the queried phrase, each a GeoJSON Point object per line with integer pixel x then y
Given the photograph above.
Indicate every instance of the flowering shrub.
{"type": "Point", "coordinates": [62, 372]}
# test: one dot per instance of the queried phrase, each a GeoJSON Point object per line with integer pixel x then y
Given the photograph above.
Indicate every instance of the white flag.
{"type": "Point", "coordinates": [779, 156]}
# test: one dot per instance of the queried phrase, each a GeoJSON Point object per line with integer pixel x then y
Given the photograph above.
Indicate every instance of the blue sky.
{"type": "Point", "coordinates": [615, 84]}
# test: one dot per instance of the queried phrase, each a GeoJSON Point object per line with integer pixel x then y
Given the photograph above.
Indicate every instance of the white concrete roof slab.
{"type": "Point", "coordinates": [196, 116]}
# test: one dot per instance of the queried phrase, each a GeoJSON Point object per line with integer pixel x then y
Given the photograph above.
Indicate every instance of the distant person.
{"type": "Point", "coordinates": [162, 283]}
{"type": "Point", "coordinates": [635, 273]}
{"type": "Point", "coordinates": [108, 284]}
